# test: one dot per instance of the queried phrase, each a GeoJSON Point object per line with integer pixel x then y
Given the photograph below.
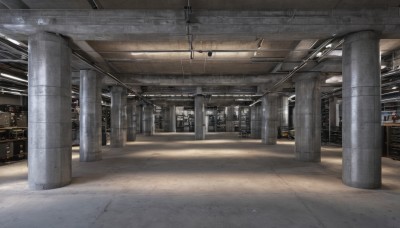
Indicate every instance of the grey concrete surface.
{"type": "Point", "coordinates": [200, 80]}
{"type": "Point", "coordinates": [362, 137]}
{"type": "Point", "coordinates": [118, 134]}
{"type": "Point", "coordinates": [308, 117]}
{"type": "Point", "coordinates": [199, 118]}
{"type": "Point", "coordinates": [169, 180]}
{"type": "Point", "coordinates": [229, 119]}
{"type": "Point", "coordinates": [172, 118]}
{"type": "Point", "coordinates": [270, 118]}
{"type": "Point", "coordinates": [49, 111]}
{"type": "Point", "coordinates": [148, 120]}
{"type": "Point", "coordinates": [90, 116]}
{"type": "Point", "coordinates": [139, 116]}
{"type": "Point", "coordinates": [283, 110]}
{"type": "Point", "coordinates": [169, 118]}
{"type": "Point", "coordinates": [101, 24]}
{"type": "Point", "coordinates": [255, 121]}
{"type": "Point", "coordinates": [131, 119]}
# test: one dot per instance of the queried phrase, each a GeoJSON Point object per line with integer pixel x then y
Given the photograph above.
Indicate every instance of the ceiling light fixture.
{"type": "Point", "coordinates": [13, 41]}
{"type": "Point", "coordinates": [13, 77]}
{"type": "Point", "coordinates": [394, 87]}
{"type": "Point", "coordinates": [136, 53]}
{"type": "Point", "coordinates": [328, 46]}
{"type": "Point", "coordinates": [254, 103]}
{"type": "Point", "coordinates": [260, 43]}
{"type": "Point", "coordinates": [319, 54]}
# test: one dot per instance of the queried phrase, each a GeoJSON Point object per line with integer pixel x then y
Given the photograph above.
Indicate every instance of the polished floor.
{"type": "Point", "coordinates": [170, 180]}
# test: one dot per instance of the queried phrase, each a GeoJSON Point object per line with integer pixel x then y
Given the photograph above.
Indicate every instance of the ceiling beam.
{"type": "Point", "coordinates": [126, 24]}
{"type": "Point", "coordinates": [200, 80]}
{"type": "Point", "coordinates": [14, 4]}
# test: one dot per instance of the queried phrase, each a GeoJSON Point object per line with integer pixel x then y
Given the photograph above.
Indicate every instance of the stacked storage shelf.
{"type": "Point", "coordinates": [244, 120]}
{"type": "Point", "coordinates": [221, 119]}
{"type": "Point", "coordinates": [325, 120]}
{"type": "Point", "coordinates": [13, 143]}
{"type": "Point", "coordinates": [13, 132]}
{"type": "Point", "coordinates": [394, 143]}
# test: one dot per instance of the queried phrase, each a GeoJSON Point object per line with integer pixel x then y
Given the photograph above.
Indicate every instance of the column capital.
{"type": "Point", "coordinates": [118, 88]}
{"type": "Point", "coordinates": [367, 34]}
{"type": "Point", "coordinates": [47, 36]}
{"type": "Point", "coordinates": [312, 75]}
{"type": "Point", "coordinates": [199, 90]}
{"type": "Point", "coordinates": [272, 94]}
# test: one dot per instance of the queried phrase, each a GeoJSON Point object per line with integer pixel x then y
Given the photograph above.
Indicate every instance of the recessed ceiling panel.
{"type": "Point", "coordinates": [57, 4]}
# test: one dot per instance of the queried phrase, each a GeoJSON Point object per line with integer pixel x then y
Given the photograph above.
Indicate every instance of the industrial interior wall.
{"type": "Point", "coordinates": [10, 99]}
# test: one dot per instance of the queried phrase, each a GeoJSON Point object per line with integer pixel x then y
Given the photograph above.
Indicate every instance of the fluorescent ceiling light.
{"type": "Point", "coordinates": [13, 77]}
{"type": "Point", "coordinates": [13, 41]}
{"type": "Point", "coordinates": [136, 53]}
{"type": "Point", "coordinates": [259, 44]}
{"type": "Point", "coordinates": [383, 67]}
{"type": "Point", "coordinates": [337, 53]}
{"type": "Point", "coordinates": [394, 87]}
{"type": "Point", "coordinates": [328, 46]}
{"type": "Point", "coordinates": [319, 54]}
{"type": "Point", "coordinates": [334, 79]}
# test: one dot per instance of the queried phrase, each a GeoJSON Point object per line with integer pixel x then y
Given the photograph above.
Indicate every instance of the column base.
{"type": "Point", "coordinates": [308, 157]}
{"type": "Point", "coordinates": [91, 158]}
{"type": "Point", "coordinates": [35, 186]}
{"type": "Point", "coordinates": [362, 185]}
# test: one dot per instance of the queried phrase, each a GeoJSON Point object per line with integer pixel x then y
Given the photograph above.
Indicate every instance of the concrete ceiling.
{"type": "Point", "coordinates": [148, 44]}
{"type": "Point", "coordinates": [214, 5]}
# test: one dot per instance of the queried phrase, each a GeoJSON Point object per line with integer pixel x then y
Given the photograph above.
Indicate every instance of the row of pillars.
{"type": "Point", "coordinates": [49, 113]}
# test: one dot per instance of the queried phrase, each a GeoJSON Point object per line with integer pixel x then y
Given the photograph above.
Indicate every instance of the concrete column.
{"type": "Point", "coordinates": [308, 117]}
{"type": "Point", "coordinates": [269, 126]}
{"type": "Point", "coordinates": [361, 111]}
{"type": "Point", "coordinates": [332, 115]}
{"type": "Point", "coordinates": [199, 115]}
{"type": "Point", "coordinates": [255, 121]}
{"type": "Point", "coordinates": [166, 119]}
{"type": "Point", "coordinates": [283, 111]}
{"type": "Point", "coordinates": [139, 118]}
{"type": "Point", "coordinates": [229, 119]}
{"type": "Point", "coordinates": [148, 120]}
{"type": "Point", "coordinates": [49, 112]}
{"type": "Point", "coordinates": [131, 120]}
{"type": "Point", "coordinates": [172, 118]}
{"type": "Point", "coordinates": [90, 116]}
{"type": "Point", "coordinates": [118, 116]}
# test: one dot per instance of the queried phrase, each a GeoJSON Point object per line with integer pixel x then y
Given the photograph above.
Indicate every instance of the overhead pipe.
{"type": "Point", "coordinates": [297, 68]}
{"type": "Point", "coordinates": [22, 49]}
{"type": "Point", "coordinates": [388, 74]}
{"type": "Point", "coordinates": [101, 70]}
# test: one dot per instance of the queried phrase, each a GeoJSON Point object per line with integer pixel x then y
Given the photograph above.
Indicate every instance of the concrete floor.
{"type": "Point", "coordinates": [169, 180]}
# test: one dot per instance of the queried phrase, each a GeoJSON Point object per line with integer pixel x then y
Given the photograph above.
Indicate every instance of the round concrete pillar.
{"type": "Point", "coordinates": [361, 111]}
{"type": "Point", "coordinates": [90, 116]}
{"type": "Point", "coordinates": [148, 120]}
{"type": "Point", "coordinates": [131, 120]}
{"type": "Point", "coordinates": [308, 117]}
{"type": "Point", "coordinates": [255, 121]}
{"type": "Point", "coordinates": [49, 112]}
{"type": "Point", "coordinates": [199, 115]}
{"type": "Point", "coordinates": [269, 126]}
{"type": "Point", "coordinates": [118, 117]}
